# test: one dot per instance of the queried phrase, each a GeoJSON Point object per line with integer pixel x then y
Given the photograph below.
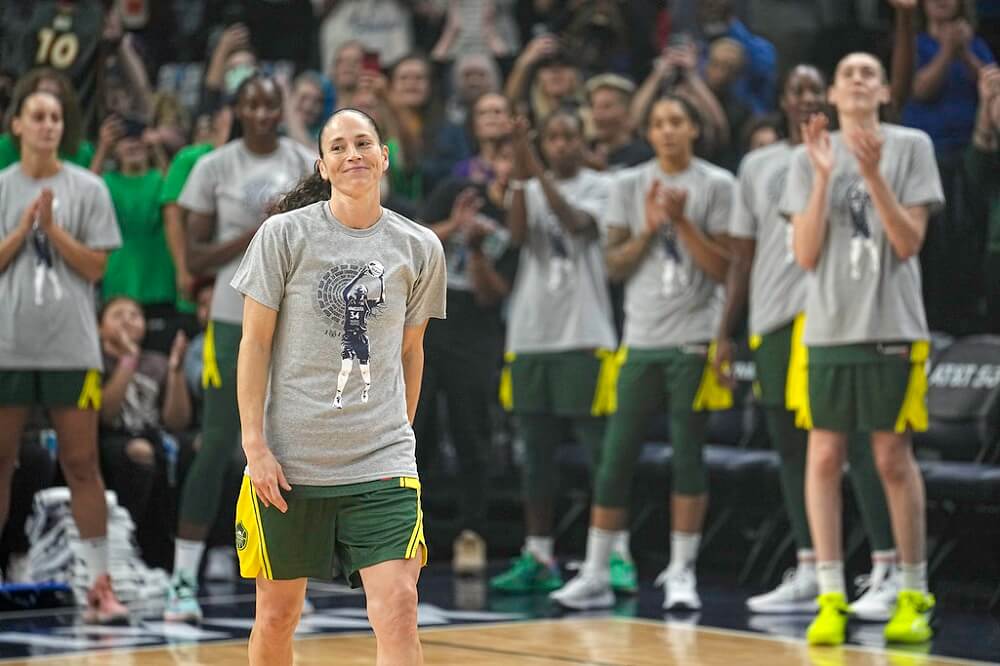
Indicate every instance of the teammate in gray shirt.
{"type": "Point", "coordinates": [57, 225]}
{"type": "Point", "coordinates": [859, 200]}
{"type": "Point", "coordinates": [331, 470]}
{"type": "Point", "coordinates": [226, 198]}
{"type": "Point", "coordinates": [664, 221]}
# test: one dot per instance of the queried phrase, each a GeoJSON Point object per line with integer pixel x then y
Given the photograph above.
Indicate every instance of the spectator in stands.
{"type": "Point", "coordinates": [74, 147]}
{"type": "Point", "coordinates": [949, 59]}
{"type": "Point", "coordinates": [982, 165]}
{"type": "Point", "coordinates": [724, 66]}
{"type": "Point", "coordinates": [859, 201]}
{"type": "Point", "coordinates": [560, 336]}
{"type": "Point", "coordinates": [762, 271]}
{"type": "Point", "coordinates": [757, 86]}
{"type": "Point", "coordinates": [303, 118]}
{"type": "Point", "coordinates": [431, 146]}
{"type": "Point", "coordinates": [344, 73]}
{"type": "Point", "coordinates": [760, 132]}
{"type": "Point", "coordinates": [232, 62]}
{"type": "Point", "coordinates": [543, 78]}
{"type": "Point", "coordinates": [676, 71]}
{"type": "Point", "coordinates": [170, 121]}
{"type": "Point", "coordinates": [472, 76]}
{"type": "Point", "coordinates": [477, 26]}
{"type": "Point", "coordinates": [194, 356]}
{"type": "Point", "coordinates": [56, 226]}
{"type": "Point", "coordinates": [614, 144]}
{"type": "Point", "coordinates": [462, 352]}
{"type": "Point", "coordinates": [664, 222]}
{"type": "Point", "coordinates": [142, 267]}
{"type": "Point", "coordinates": [490, 126]}
{"type": "Point", "coordinates": [226, 197]}
{"type": "Point", "coordinates": [383, 26]}
{"type": "Point", "coordinates": [143, 393]}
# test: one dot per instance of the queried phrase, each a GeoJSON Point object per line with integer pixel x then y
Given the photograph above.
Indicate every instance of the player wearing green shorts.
{"type": "Point", "coordinates": [333, 282]}
{"type": "Point", "coordinates": [559, 333]}
{"type": "Point", "coordinates": [57, 224]}
{"type": "Point", "coordinates": [226, 198]}
{"type": "Point", "coordinates": [763, 271]}
{"type": "Point", "coordinates": [663, 221]}
{"type": "Point", "coordinates": [859, 200]}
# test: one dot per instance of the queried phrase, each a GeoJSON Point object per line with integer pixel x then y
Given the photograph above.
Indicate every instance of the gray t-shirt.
{"type": "Point", "coordinates": [861, 291]}
{"type": "Point", "coordinates": [238, 187]}
{"type": "Point", "coordinates": [560, 299]}
{"type": "Point", "coordinates": [342, 295]}
{"type": "Point", "coordinates": [669, 301]}
{"type": "Point", "coordinates": [777, 283]}
{"type": "Point", "coordinates": [48, 318]}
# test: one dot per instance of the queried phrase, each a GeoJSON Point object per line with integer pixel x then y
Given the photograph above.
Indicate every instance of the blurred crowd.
{"type": "Point", "coordinates": [150, 88]}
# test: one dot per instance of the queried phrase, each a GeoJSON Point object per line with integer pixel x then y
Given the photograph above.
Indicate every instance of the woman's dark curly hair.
{"type": "Point", "coordinates": [27, 86]}
{"type": "Point", "coordinates": [314, 187]}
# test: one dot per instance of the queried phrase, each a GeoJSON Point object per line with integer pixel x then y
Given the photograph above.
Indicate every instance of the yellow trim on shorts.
{"type": "Point", "coordinates": [417, 536]}
{"type": "Point", "coordinates": [265, 559]}
{"type": "Point", "coordinates": [711, 395]}
{"type": "Point", "coordinates": [210, 375]}
{"type": "Point", "coordinates": [606, 391]}
{"type": "Point", "coordinates": [797, 381]}
{"type": "Point", "coordinates": [913, 412]}
{"type": "Point", "coordinates": [506, 391]}
{"type": "Point", "coordinates": [90, 392]}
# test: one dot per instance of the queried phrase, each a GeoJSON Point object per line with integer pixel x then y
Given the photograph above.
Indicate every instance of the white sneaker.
{"type": "Point", "coordinates": [338, 402]}
{"type": "Point", "coordinates": [796, 594]}
{"type": "Point", "coordinates": [221, 564]}
{"type": "Point", "coordinates": [585, 592]}
{"type": "Point", "coordinates": [469, 557]}
{"type": "Point", "coordinates": [878, 596]}
{"type": "Point", "coordinates": [679, 589]}
{"type": "Point", "coordinates": [364, 394]}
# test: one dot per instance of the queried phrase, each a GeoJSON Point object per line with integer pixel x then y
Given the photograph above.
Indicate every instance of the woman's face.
{"type": "Point", "coordinates": [492, 117]}
{"type": "Point", "coordinates": [562, 143]}
{"type": "Point", "coordinates": [941, 10]}
{"type": "Point", "coordinates": [123, 316]}
{"type": "Point", "coordinates": [859, 85]}
{"type": "Point", "coordinates": [259, 109]}
{"type": "Point", "coordinates": [803, 94]}
{"type": "Point", "coordinates": [557, 81]}
{"type": "Point", "coordinates": [309, 101]}
{"type": "Point", "coordinates": [352, 160]}
{"type": "Point", "coordinates": [131, 152]}
{"type": "Point", "coordinates": [503, 164]}
{"type": "Point", "coordinates": [39, 126]}
{"type": "Point", "coordinates": [671, 131]}
{"type": "Point", "coordinates": [411, 84]}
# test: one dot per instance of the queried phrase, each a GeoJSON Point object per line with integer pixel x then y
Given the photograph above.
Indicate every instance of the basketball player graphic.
{"type": "Point", "coordinates": [43, 263]}
{"type": "Point", "coordinates": [861, 234]}
{"type": "Point", "coordinates": [673, 268]}
{"type": "Point", "coordinates": [560, 263]}
{"type": "Point", "coordinates": [354, 342]}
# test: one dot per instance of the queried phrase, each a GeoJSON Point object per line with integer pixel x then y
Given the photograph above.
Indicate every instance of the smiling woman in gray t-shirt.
{"type": "Point", "coordinates": [331, 473]}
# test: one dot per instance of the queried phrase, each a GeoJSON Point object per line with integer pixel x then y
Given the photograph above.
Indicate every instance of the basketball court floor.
{"type": "Point", "coordinates": [463, 624]}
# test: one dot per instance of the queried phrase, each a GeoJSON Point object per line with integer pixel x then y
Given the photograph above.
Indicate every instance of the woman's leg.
{"type": "Point", "coordinates": [391, 594]}
{"type": "Point", "coordinates": [279, 606]}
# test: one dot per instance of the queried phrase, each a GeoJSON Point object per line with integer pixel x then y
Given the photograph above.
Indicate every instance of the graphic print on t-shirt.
{"type": "Point", "coordinates": [674, 277]}
{"type": "Point", "coordinates": [349, 295]}
{"type": "Point", "coordinates": [560, 255]}
{"type": "Point", "coordinates": [851, 190]}
{"type": "Point", "coordinates": [44, 268]}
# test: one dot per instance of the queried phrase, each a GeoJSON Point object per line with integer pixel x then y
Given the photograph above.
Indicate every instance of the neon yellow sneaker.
{"type": "Point", "coordinates": [911, 620]}
{"type": "Point", "coordinates": [829, 627]}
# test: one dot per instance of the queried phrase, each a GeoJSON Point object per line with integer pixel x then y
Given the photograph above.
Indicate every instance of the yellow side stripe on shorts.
{"type": "Point", "coordinates": [265, 560]}
{"type": "Point", "coordinates": [210, 375]}
{"type": "Point", "coordinates": [711, 395]}
{"type": "Point", "coordinates": [411, 546]}
{"type": "Point", "coordinates": [90, 393]}
{"type": "Point", "coordinates": [913, 413]}
{"type": "Point", "coordinates": [506, 390]}
{"type": "Point", "coordinates": [605, 393]}
{"type": "Point", "coordinates": [797, 381]}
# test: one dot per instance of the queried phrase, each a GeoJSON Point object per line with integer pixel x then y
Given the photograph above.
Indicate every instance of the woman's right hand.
{"type": "Point", "coordinates": [526, 163]}
{"type": "Point", "coordinates": [265, 473]}
{"type": "Point", "coordinates": [29, 215]}
{"type": "Point", "coordinates": [817, 141]}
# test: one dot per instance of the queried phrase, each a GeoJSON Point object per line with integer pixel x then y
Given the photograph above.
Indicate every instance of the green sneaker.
{"type": "Point", "coordinates": [526, 576]}
{"type": "Point", "coordinates": [911, 620]}
{"type": "Point", "coordinates": [623, 578]}
{"type": "Point", "coordinates": [829, 627]}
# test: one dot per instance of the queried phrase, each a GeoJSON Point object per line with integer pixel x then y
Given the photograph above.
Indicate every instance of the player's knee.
{"type": "Point", "coordinates": [141, 452]}
{"type": "Point", "coordinates": [79, 468]}
{"type": "Point", "coordinates": [825, 461]}
{"type": "Point", "coordinates": [892, 463]}
{"type": "Point", "coordinates": [276, 622]}
{"type": "Point", "coordinates": [393, 609]}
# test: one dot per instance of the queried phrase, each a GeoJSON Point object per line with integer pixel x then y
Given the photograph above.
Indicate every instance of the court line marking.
{"type": "Point", "coordinates": [868, 649]}
{"type": "Point", "coordinates": [518, 653]}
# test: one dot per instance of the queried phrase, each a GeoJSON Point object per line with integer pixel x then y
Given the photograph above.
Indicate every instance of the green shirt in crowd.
{"type": "Point", "coordinates": [9, 153]}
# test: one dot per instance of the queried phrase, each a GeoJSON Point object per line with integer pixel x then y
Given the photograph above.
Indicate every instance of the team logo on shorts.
{"type": "Point", "coordinates": [241, 537]}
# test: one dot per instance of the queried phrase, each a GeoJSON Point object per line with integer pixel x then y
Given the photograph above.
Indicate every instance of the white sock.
{"type": "Point", "coordinates": [599, 545]}
{"type": "Point", "coordinates": [540, 547]}
{"type": "Point", "coordinates": [187, 557]}
{"type": "Point", "coordinates": [621, 545]}
{"type": "Point", "coordinates": [830, 576]}
{"type": "Point", "coordinates": [94, 553]}
{"type": "Point", "coordinates": [807, 563]}
{"type": "Point", "coordinates": [683, 550]}
{"type": "Point", "coordinates": [882, 563]}
{"type": "Point", "coordinates": [914, 576]}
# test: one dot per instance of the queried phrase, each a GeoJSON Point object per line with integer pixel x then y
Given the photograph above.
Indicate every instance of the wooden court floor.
{"type": "Point", "coordinates": [599, 642]}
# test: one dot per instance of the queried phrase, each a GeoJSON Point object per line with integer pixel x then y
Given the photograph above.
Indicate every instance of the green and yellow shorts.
{"type": "Point", "coordinates": [347, 528]}
{"type": "Point", "coordinates": [51, 388]}
{"type": "Point", "coordinates": [866, 387]}
{"type": "Point", "coordinates": [570, 383]}
{"type": "Point", "coordinates": [771, 354]}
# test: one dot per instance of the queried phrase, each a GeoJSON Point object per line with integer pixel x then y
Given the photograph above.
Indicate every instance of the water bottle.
{"type": "Point", "coordinates": [171, 450]}
{"type": "Point", "coordinates": [47, 438]}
